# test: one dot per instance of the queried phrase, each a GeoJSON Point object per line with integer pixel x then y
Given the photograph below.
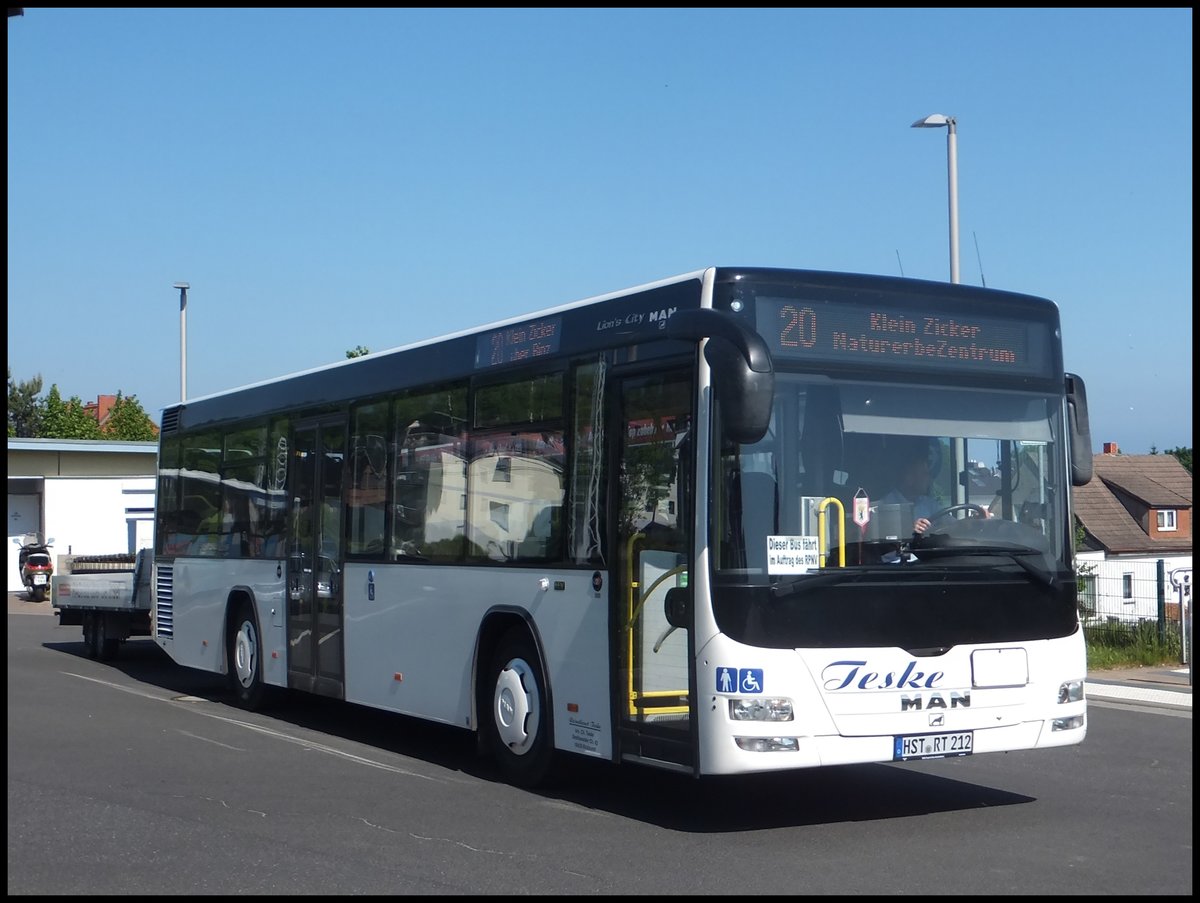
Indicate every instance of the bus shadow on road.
{"type": "Point", "coordinates": [831, 795]}
{"type": "Point", "coordinates": [677, 802]}
{"type": "Point", "coordinates": [813, 796]}
{"type": "Point", "coordinates": [142, 659]}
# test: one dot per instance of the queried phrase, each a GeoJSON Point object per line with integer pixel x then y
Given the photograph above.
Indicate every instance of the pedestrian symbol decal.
{"type": "Point", "coordinates": [744, 680]}
{"type": "Point", "coordinates": [725, 679]}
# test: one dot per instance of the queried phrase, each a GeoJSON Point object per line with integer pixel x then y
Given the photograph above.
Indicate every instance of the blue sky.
{"type": "Point", "coordinates": [330, 178]}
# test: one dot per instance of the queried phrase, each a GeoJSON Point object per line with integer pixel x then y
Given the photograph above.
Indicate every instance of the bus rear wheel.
{"type": "Point", "coordinates": [520, 733]}
{"type": "Point", "coordinates": [244, 654]}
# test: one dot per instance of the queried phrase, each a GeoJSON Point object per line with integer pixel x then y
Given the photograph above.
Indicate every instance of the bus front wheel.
{"type": "Point", "coordinates": [518, 723]}
{"type": "Point", "coordinates": [245, 660]}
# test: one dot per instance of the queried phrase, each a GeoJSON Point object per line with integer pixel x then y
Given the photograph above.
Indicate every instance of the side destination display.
{"type": "Point", "coordinates": [536, 338]}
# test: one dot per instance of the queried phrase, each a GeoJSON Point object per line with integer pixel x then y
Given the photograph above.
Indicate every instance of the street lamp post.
{"type": "Point", "coordinates": [937, 121]}
{"type": "Point", "coordinates": [183, 290]}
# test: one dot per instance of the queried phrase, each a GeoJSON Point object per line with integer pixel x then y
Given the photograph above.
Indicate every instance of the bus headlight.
{"type": "Point", "coordinates": [758, 708]}
{"type": "Point", "coordinates": [1070, 691]}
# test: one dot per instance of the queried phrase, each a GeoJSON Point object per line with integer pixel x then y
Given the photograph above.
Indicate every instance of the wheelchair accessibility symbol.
{"type": "Point", "coordinates": [744, 680]}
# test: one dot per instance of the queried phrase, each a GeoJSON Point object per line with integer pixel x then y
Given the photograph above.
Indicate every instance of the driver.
{"type": "Point", "coordinates": [912, 482]}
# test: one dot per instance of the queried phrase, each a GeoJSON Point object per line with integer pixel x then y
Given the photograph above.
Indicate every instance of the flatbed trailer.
{"type": "Point", "coordinates": [109, 597]}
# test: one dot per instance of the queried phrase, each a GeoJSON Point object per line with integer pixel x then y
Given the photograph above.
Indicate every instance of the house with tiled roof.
{"type": "Point", "coordinates": [1135, 515]}
{"type": "Point", "coordinates": [100, 409]}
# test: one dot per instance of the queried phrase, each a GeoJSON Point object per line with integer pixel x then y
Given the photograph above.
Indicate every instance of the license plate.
{"type": "Point", "coordinates": [933, 746]}
{"type": "Point", "coordinates": [39, 579]}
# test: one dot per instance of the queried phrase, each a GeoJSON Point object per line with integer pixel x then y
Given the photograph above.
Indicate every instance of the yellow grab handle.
{"type": "Point", "coordinates": [825, 502]}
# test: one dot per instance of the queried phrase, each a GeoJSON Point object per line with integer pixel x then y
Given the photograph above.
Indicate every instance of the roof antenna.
{"type": "Point", "coordinates": [979, 259]}
{"type": "Point", "coordinates": [899, 261]}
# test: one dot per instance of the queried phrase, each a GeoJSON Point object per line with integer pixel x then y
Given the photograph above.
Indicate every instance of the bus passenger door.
{"type": "Point", "coordinates": [655, 698]}
{"type": "Point", "coordinates": [314, 622]}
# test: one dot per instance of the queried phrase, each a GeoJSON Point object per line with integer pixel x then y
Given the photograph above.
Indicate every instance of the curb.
{"type": "Point", "coordinates": [1126, 693]}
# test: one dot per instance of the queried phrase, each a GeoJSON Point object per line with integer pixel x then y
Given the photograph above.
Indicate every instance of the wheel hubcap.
{"type": "Point", "coordinates": [245, 648]}
{"type": "Point", "coordinates": [516, 707]}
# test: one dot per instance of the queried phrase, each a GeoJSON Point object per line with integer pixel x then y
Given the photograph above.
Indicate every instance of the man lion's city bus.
{"type": "Point", "coordinates": [663, 525]}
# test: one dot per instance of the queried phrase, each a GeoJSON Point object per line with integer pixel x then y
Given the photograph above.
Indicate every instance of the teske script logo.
{"type": "Point", "coordinates": [854, 675]}
{"type": "Point", "coordinates": [841, 675]}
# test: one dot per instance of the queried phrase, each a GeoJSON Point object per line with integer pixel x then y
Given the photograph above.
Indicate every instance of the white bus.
{"type": "Point", "coordinates": [656, 526]}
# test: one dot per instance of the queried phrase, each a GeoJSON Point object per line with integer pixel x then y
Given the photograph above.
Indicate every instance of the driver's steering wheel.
{"type": "Point", "coordinates": [975, 511]}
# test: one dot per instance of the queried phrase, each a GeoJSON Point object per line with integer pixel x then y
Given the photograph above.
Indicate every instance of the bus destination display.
{"type": "Point", "coordinates": [518, 343]}
{"type": "Point", "coordinates": [837, 332]}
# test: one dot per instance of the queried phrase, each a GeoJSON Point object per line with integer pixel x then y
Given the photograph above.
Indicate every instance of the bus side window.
{"type": "Point", "coordinates": [366, 497]}
{"type": "Point", "coordinates": [429, 476]}
{"type": "Point", "coordinates": [516, 479]}
{"type": "Point", "coordinates": [517, 490]}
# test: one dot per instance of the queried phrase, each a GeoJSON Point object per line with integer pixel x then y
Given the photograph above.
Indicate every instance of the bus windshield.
{"type": "Point", "coordinates": [860, 483]}
{"type": "Point", "coordinates": [856, 467]}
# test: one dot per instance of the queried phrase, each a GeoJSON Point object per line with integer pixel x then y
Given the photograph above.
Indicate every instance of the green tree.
{"type": "Point", "coordinates": [66, 419]}
{"type": "Point", "coordinates": [52, 418]}
{"type": "Point", "coordinates": [24, 411]}
{"type": "Point", "coordinates": [129, 421]}
{"type": "Point", "coordinates": [358, 351]}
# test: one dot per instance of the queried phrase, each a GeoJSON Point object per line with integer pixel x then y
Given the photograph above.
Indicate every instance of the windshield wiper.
{"type": "Point", "coordinates": [808, 581]}
{"type": "Point", "coordinates": [1022, 557]}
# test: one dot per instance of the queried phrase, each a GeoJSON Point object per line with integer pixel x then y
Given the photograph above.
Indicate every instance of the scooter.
{"type": "Point", "coordinates": [36, 565]}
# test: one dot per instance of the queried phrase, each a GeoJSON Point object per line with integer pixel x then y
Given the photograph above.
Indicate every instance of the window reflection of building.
{"type": "Point", "coordinates": [516, 495]}
{"type": "Point", "coordinates": [430, 479]}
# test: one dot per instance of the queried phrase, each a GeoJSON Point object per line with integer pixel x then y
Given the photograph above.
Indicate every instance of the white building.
{"type": "Point", "coordinates": [92, 497]}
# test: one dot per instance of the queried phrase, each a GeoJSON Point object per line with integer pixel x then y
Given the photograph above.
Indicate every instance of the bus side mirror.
{"type": "Point", "coordinates": [677, 607]}
{"type": "Point", "coordinates": [1079, 427]}
{"type": "Point", "coordinates": [743, 376]}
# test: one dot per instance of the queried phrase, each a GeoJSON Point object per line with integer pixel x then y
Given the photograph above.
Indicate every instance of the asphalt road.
{"type": "Point", "coordinates": [139, 777]}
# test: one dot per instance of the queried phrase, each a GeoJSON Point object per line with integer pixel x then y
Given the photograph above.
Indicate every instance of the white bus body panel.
{"type": "Point", "coordinates": [197, 638]}
{"type": "Point", "coordinates": [850, 705]}
{"type": "Point", "coordinates": [411, 649]}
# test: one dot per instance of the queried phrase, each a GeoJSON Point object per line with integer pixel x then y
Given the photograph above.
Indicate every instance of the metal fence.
{"type": "Point", "coordinates": [1126, 603]}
